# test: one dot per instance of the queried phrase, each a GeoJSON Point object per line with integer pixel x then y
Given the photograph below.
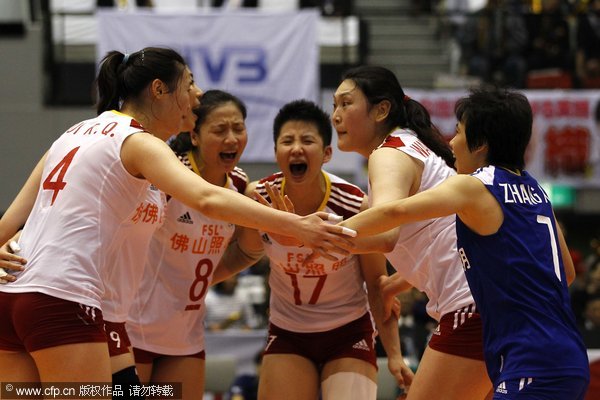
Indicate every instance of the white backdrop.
{"type": "Point", "coordinates": [266, 59]}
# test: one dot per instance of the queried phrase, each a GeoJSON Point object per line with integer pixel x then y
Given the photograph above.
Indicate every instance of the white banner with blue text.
{"type": "Point", "coordinates": [266, 59]}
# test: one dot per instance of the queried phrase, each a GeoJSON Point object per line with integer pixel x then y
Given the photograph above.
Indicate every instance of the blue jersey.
{"type": "Point", "coordinates": [518, 281]}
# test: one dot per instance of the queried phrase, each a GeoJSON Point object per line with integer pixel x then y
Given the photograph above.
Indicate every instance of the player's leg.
{"type": "Point", "coordinates": [189, 370]}
{"type": "Point", "coordinates": [453, 360]}
{"type": "Point", "coordinates": [78, 362]}
{"type": "Point", "coordinates": [350, 370]}
{"type": "Point", "coordinates": [17, 367]}
{"type": "Point", "coordinates": [144, 372]}
{"type": "Point", "coordinates": [144, 363]}
{"type": "Point", "coordinates": [122, 361]}
{"type": "Point", "coordinates": [458, 378]}
{"type": "Point", "coordinates": [349, 378]}
{"type": "Point", "coordinates": [65, 339]}
{"type": "Point", "coordinates": [16, 364]}
{"type": "Point", "coordinates": [288, 376]}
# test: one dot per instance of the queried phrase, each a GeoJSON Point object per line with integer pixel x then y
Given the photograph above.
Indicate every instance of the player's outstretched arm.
{"type": "Point", "coordinates": [146, 156]}
{"type": "Point", "coordinates": [452, 196]}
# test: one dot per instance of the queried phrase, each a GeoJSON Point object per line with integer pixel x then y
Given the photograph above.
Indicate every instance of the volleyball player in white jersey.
{"type": "Point", "coordinates": [166, 321]}
{"type": "Point", "coordinates": [321, 333]}
{"type": "Point", "coordinates": [406, 155]}
{"type": "Point", "coordinates": [126, 275]}
{"type": "Point", "coordinates": [122, 280]}
{"type": "Point", "coordinates": [81, 195]}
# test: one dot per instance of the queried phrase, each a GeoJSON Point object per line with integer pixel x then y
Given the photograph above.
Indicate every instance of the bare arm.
{"type": "Point", "coordinates": [393, 175]}
{"type": "Point", "coordinates": [390, 287]}
{"type": "Point", "coordinates": [15, 217]}
{"type": "Point", "coordinates": [386, 216]}
{"type": "Point", "coordinates": [240, 254]}
{"type": "Point", "coordinates": [373, 267]}
{"type": "Point", "coordinates": [461, 194]}
{"type": "Point", "coordinates": [146, 156]}
{"type": "Point", "coordinates": [17, 213]}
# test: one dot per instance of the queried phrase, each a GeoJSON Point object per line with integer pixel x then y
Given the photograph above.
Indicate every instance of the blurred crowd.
{"type": "Point", "coordinates": [527, 43]}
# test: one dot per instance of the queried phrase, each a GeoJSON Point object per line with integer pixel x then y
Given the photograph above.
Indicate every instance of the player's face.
{"type": "Point", "coordinates": [465, 160]}
{"type": "Point", "coordinates": [193, 93]}
{"type": "Point", "coordinates": [353, 120]}
{"type": "Point", "coordinates": [222, 139]}
{"type": "Point", "coordinates": [177, 115]}
{"type": "Point", "coordinates": [300, 152]}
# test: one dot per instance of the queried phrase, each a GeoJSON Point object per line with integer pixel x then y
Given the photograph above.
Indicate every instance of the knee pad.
{"type": "Point", "coordinates": [126, 379]}
{"type": "Point", "coordinates": [348, 385]}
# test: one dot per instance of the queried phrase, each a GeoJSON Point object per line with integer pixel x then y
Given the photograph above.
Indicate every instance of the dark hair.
{"type": "Point", "coordinates": [379, 84]}
{"type": "Point", "coordinates": [500, 118]}
{"type": "Point", "coordinates": [304, 111]}
{"type": "Point", "coordinates": [125, 76]}
{"type": "Point", "coordinates": [211, 99]}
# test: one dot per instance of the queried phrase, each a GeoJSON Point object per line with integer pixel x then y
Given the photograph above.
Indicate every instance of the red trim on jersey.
{"type": "Point", "coordinates": [239, 179]}
{"type": "Point", "coordinates": [274, 180]}
{"type": "Point", "coordinates": [345, 195]}
{"type": "Point", "coordinates": [393, 141]}
{"type": "Point", "coordinates": [135, 124]}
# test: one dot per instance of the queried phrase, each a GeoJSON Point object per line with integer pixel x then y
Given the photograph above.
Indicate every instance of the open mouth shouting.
{"type": "Point", "coordinates": [228, 156]}
{"type": "Point", "coordinates": [298, 169]}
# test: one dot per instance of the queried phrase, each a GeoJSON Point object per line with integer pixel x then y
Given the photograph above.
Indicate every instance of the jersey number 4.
{"type": "Point", "coordinates": [60, 169]}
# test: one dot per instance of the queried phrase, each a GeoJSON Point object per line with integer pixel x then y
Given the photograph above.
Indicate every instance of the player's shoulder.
{"type": "Point", "coordinates": [275, 179]}
{"type": "Point", "coordinates": [240, 179]}
{"type": "Point", "coordinates": [398, 139]}
{"type": "Point", "coordinates": [345, 198]}
{"type": "Point", "coordinates": [343, 187]}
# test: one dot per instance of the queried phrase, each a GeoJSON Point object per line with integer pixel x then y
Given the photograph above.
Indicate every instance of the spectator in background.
{"type": "Point", "coordinates": [245, 386]}
{"type": "Point", "coordinates": [228, 307]}
{"type": "Point", "coordinates": [583, 293]}
{"type": "Point", "coordinates": [493, 43]}
{"type": "Point", "coordinates": [549, 43]}
{"type": "Point", "coordinates": [592, 315]}
{"type": "Point", "coordinates": [414, 333]}
{"type": "Point", "coordinates": [587, 56]}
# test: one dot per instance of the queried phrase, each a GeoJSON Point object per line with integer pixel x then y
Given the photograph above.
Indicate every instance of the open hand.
{"type": "Point", "coordinates": [10, 261]}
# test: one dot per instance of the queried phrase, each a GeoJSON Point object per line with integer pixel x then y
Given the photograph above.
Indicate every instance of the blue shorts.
{"type": "Point", "coordinates": [562, 388]}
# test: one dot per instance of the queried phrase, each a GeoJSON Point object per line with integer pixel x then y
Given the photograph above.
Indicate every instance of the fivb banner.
{"type": "Point", "coordinates": [565, 144]}
{"type": "Point", "coordinates": [266, 59]}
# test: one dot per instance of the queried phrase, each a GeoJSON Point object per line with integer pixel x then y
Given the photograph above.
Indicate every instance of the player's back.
{"type": "Point", "coordinates": [518, 281]}
{"type": "Point", "coordinates": [85, 195]}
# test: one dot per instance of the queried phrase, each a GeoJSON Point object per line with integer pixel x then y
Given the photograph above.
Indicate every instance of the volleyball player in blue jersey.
{"type": "Point", "coordinates": [513, 252]}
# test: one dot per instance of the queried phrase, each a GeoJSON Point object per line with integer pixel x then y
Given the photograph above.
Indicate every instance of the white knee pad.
{"type": "Point", "coordinates": [347, 386]}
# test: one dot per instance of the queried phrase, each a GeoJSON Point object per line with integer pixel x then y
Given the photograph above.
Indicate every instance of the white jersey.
{"type": "Point", "coordinates": [127, 264]}
{"type": "Point", "coordinates": [425, 253]}
{"type": "Point", "coordinates": [167, 315]}
{"type": "Point", "coordinates": [322, 295]}
{"type": "Point", "coordinates": [85, 202]}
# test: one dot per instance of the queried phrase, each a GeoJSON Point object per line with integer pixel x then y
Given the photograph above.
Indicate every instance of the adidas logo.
{"type": "Point", "coordinates": [185, 218]}
{"type": "Point", "coordinates": [502, 388]}
{"type": "Point", "coordinates": [361, 345]}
